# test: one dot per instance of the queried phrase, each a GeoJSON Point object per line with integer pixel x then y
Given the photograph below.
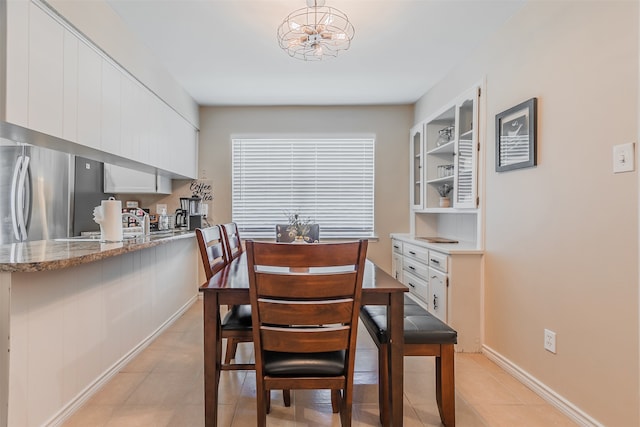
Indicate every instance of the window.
{"type": "Point", "coordinates": [327, 180]}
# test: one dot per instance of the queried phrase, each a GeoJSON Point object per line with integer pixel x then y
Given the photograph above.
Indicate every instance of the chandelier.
{"type": "Point", "coordinates": [315, 32]}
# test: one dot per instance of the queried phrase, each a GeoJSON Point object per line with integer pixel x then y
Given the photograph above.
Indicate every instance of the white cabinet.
{"type": "Point", "coordinates": [59, 83]}
{"type": "Point", "coordinates": [89, 96]}
{"type": "Point", "coordinates": [438, 293]}
{"type": "Point", "coordinates": [446, 284]}
{"type": "Point", "coordinates": [16, 84]}
{"type": "Point", "coordinates": [451, 155]}
{"type": "Point", "coordinates": [396, 259]}
{"type": "Point", "coordinates": [70, 87]}
{"type": "Point", "coordinates": [110, 102]}
{"type": "Point", "coordinates": [46, 73]}
{"type": "Point", "coordinates": [122, 180]}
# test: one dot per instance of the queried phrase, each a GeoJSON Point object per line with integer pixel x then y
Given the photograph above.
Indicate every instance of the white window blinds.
{"type": "Point", "coordinates": [328, 180]}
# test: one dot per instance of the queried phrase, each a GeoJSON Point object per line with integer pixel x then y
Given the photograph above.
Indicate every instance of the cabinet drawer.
{"type": "Point", "coordinates": [417, 268]}
{"type": "Point", "coordinates": [438, 261]}
{"type": "Point", "coordinates": [417, 252]}
{"type": "Point", "coordinates": [396, 246]}
{"type": "Point", "coordinates": [417, 286]}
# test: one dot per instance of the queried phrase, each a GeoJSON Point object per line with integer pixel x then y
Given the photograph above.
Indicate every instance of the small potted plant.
{"type": "Point", "coordinates": [444, 191]}
{"type": "Point", "coordinates": [298, 227]}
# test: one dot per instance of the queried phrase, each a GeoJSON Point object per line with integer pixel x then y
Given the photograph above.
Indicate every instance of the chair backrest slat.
{"type": "Point", "coordinates": [305, 340]}
{"type": "Point", "coordinates": [319, 286]}
{"type": "Point", "coordinates": [319, 255]}
{"type": "Point", "coordinates": [299, 312]}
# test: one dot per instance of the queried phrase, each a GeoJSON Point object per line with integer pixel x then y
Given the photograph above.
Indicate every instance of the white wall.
{"type": "Point", "coordinates": [562, 238]}
{"type": "Point", "coordinates": [390, 124]}
{"type": "Point", "coordinates": [96, 20]}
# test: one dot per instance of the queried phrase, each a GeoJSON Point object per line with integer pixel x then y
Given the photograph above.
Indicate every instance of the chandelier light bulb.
{"type": "Point", "coordinates": [315, 32]}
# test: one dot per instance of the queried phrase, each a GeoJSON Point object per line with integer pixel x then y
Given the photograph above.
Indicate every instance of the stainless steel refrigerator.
{"type": "Point", "coordinates": [35, 193]}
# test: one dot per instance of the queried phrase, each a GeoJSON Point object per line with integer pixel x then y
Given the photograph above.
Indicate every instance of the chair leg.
{"type": "Point", "coordinates": [445, 385]}
{"type": "Point", "coordinates": [383, 385]}
{"type": "Point", "coordinates": [267, 400]}
{"type": "Point", "coordinates": [335, 401]}
{"type": "Point", "coordinates": [347, 405]}
{"type": "Point", "coordinates": [286, 397]}
{"type": "Point", "coordinates": [262, 405]}
{"type": "Point", "coordinates": [232, 346]}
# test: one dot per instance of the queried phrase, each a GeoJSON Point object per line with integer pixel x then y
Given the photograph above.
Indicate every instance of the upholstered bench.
{"type": "Point", "coordinates": [424, 335]}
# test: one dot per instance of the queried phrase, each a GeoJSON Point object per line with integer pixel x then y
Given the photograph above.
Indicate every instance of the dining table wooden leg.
{"type": "Point", "coordinates": [212, 354]}
{"type": "Point", "coordinates": [395, 324]}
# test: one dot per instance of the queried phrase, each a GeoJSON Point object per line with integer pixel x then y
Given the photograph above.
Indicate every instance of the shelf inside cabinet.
{"type": "Point", "coordinates": [441, 180]}
{"type": "Point", "coordinates": [447, 148]}
{"type": "Point", "coordinates": [467, 135]}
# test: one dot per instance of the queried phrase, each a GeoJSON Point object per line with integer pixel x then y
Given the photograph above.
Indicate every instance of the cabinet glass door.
{"type": "Point", "coordinates": [465, 185]}
{"type": "Point", "coordinates": [417, 148]}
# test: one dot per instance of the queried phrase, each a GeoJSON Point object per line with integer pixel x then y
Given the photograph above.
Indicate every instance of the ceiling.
{"type": "Point", "coordinates": [225, 52]}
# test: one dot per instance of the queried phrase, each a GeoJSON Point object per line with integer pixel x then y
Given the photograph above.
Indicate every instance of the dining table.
{"type": "Point", "coordinates": [230, 286]}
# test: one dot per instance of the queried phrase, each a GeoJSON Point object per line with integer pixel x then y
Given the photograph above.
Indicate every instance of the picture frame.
{"type": "Point", "coordinates": [516, 146]}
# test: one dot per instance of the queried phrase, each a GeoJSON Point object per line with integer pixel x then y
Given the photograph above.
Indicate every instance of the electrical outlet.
{"type": "Point", "coordinates": [160, 207]}
{"type": "Point", "coordinates": [550, 341]}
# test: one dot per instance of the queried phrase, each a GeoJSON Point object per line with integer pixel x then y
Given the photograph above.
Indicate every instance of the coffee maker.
{"type": "Point", "coordinates": [190, 213]}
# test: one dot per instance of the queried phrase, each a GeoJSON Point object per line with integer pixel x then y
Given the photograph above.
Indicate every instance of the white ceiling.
{"type": "Point", "coordinates": [225, 52]}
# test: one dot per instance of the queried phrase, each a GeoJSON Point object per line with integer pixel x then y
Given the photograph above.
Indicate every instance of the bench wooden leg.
{"type": "Point", "coordinates": [445, 385]}
{"type": "Point", "coordinates": [383, 385]}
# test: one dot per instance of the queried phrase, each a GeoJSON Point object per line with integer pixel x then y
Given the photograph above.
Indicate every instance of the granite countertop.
{"type": "Point", "coordinates": [44, 255]}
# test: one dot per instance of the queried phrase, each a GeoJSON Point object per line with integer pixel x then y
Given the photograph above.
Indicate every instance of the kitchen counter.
{"type": "Point", "coordinates": [74, 312]}
{"type": "Point", "coordinates": [46, 255]}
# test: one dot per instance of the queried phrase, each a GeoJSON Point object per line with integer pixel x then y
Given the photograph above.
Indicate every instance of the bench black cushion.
{"type": "Point", "coordinates": [420, 326]}
{"type": "Point", "coordinates": [238, 318]}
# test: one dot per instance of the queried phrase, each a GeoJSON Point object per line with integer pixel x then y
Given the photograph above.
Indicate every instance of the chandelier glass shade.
{"type": "Point", "coordinates": [315, 32]}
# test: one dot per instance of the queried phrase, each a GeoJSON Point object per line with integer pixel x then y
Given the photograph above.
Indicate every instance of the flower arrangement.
{"type": "Point", "coordinates": [298, 226]}
{"type": "Point", "coordinates": [445, 189]}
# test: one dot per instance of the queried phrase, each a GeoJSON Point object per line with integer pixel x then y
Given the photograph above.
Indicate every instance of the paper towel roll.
{"type": "Point", "coordinates": [111, 225]}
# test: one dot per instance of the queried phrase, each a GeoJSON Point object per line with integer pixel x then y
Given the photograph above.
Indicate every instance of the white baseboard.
{"type": "Point", "coordinates": [558, 401]}
{"type": "Point", "coordinates": [77, 402]}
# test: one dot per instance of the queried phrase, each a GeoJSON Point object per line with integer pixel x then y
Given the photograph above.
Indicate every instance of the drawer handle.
{"type": "Point", "coordinates": [412, 285]}
{"type": "Point", "coordinates": [434, 277]}
{"type": "Point", "coordinates": [396, 247]}
{"type": "Point", "coordinates": [411, 267]}
{"type": "Point", "coordinates": [412, 253]}
{"type": "Point", "coordinates": [435, 302]}
{"type": "Point", "coordinates": [435, 261]}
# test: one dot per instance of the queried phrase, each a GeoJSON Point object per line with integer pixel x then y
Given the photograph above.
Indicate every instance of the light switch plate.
{"type": "Point", "coordinates": [623, 158]}
{"type": "Point", "coordinates": [159, 207]}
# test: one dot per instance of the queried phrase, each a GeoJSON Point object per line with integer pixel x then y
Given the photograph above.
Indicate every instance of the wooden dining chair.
{"type": "Point", "coordinates": [236, 325]}
{"type": "Point", "coordinates": [232, 240]}
{"type": "Point", "coordinates": [305, 301]}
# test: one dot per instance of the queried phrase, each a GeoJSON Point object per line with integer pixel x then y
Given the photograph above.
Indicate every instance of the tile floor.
{"type": "Point", "coordinates": [163, 386]}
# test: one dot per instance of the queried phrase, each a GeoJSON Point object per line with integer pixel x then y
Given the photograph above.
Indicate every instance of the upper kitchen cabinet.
{"type": "Point", "coordinates": [451, 156]}
{"type": "Point", "coordinates": [46, 73]}
{"type": "Point", "coordinates": [58, 82]}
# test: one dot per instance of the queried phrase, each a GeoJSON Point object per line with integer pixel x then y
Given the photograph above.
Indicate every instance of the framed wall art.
{"type": "Point", "coordinates": [516, 137]}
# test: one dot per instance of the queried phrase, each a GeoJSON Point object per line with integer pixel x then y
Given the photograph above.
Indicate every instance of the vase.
{"type": "Point", "coordinates": [445, 202]}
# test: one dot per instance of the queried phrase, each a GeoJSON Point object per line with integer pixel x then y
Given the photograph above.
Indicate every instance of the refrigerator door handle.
{"type": "Point", "coordinates": [18, 191]}
{"type": "Point", "coordinates": [14, 198]}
